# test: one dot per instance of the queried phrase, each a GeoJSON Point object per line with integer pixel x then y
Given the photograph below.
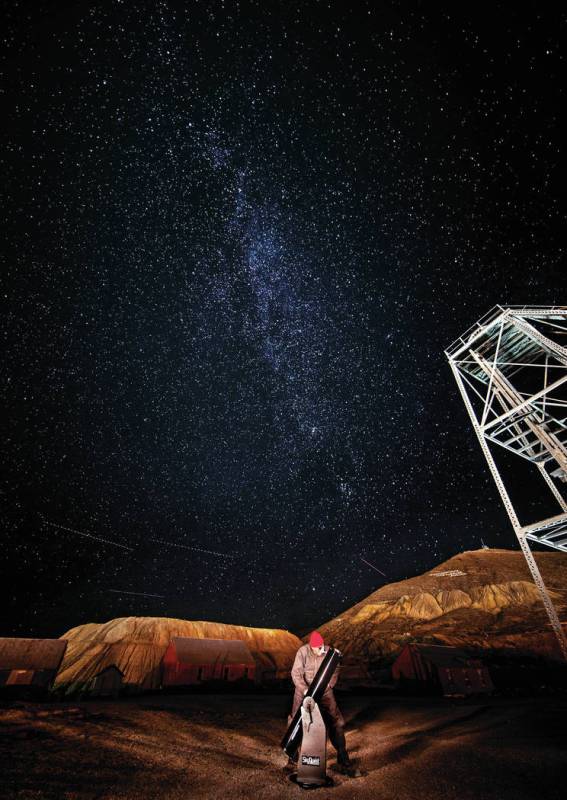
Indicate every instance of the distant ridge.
{"type": "Point", "coordinates": [481, 599]}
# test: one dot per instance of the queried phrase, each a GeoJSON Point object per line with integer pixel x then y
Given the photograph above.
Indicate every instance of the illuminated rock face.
{"type": "Point", "coordinates": [136, 646]}
{"type": "Point", "coordinates": [483, 599]}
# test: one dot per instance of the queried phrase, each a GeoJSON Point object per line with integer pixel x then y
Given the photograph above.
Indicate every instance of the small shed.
{"type": "Point", "coordinates": [441, 668]}
{"type": "Point", "coordinates": [190, 661]}
{"type": "Point", "coordinates": [354, 672]}
{"type": "Point", "coordinates": [106, 683]}
{"type": "Point", "coordinates": [29, 663]}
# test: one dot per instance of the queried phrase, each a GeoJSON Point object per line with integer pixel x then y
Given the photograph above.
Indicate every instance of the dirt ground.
{"type": "Point", "coordinates": [221, 746]}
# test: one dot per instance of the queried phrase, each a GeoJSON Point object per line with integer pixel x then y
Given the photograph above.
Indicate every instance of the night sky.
{"type": "Point", "coordinates": [236, 239]}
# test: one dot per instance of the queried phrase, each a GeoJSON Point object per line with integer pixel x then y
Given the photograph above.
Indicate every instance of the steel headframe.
{"type": "Point", "coordinates": [511, 370]}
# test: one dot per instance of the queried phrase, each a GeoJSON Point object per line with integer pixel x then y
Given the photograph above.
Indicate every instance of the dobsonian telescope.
{"type": "Point", "coordinates": [308, 729]}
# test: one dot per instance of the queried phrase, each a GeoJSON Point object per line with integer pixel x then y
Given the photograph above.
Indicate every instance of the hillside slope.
{"type": "Point", "coordinates": [482, 599]}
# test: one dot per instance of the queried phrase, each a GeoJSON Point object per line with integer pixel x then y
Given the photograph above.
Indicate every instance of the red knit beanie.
{"type": "Point", "coordinates": [316, 640]}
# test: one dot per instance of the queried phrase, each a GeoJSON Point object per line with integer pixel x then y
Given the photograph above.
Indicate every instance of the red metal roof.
{"type": "Point", "coordinates": [31, 654]}
{"type": "Point", "coordinates": [211, 651]}
{"type": "Point", "coordinates": [444, 656]}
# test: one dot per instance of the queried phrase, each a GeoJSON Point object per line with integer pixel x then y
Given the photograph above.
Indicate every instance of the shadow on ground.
{"type": "Point", "coordinates": [215, 745]}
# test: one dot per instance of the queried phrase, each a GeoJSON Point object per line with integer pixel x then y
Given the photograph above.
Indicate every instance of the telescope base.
{"type": "Point", "coordinates": [302, 785]}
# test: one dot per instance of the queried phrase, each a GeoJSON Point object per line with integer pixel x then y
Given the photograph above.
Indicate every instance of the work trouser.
{"type": "Point", "coordinates": [332, 717]}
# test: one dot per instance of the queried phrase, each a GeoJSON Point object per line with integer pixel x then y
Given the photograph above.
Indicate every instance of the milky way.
{"type": "Point", "coordinates": [236, 239]}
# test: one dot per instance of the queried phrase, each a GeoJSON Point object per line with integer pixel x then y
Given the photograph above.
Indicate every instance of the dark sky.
{"type": "Point", "coordinates": [236, 238]}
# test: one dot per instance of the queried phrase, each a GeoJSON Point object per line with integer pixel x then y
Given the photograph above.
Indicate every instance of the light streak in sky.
{"type": "Point", "coordinates": [188, 547]}
{"type": "Point", "coordinates": [139, 594]}
{"type": "Point", "coordinates": [87, 535]}
{"type": "Point", "coordinates": [373, 567]}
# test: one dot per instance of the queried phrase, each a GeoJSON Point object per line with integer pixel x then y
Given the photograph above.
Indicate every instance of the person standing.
{"type": "Point", "coordinates": [307, 661]}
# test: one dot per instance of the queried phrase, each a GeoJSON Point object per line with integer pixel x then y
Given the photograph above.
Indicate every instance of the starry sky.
{"type": "Point", "coordinates": [236, 238]}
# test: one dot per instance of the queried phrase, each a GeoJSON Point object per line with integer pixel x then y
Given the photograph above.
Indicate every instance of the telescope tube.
{"type": "Point", "coordinates": [292, 738]}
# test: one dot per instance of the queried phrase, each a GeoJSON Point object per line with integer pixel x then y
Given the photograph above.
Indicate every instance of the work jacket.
{"type": "Point", "coordinates": [305, 668]}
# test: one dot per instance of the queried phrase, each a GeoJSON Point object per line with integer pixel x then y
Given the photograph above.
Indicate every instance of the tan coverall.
{"type": "Point", "coordinates": [303, 671]}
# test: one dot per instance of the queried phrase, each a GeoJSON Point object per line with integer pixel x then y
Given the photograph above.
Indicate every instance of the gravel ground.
{"type": "Point", "coordinates": [211, 746]}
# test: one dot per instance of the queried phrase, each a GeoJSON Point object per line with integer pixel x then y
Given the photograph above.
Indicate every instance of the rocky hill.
{"type": "Point", "coordinates": [482, 599]}
{"type": "Point", "coordinates": [136, 646]}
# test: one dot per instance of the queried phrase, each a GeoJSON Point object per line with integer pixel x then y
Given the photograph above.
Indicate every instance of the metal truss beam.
{"type": "Point", "coordinates": [527, 418]}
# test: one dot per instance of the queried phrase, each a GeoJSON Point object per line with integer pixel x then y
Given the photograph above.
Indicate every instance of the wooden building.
{"type": "Point", "coordinates": [354, 672]}
{"type": "Point", "coordinates": [436, 668]}
{"type": "Point", "coordinates": [189, 661]}
{"type": "Point", "coordinates": [29, 666]}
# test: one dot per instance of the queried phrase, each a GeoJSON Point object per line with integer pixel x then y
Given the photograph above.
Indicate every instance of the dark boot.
{"type": "Point", "coordinates": [345, 765]}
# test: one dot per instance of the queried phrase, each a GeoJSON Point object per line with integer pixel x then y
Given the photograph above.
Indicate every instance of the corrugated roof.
{"type": "Point", "coordinates": [211, 651]}
{"type": "Point", "coordinates": [443, 656]}
{"type": "Point", "coordinates": [31, 653]}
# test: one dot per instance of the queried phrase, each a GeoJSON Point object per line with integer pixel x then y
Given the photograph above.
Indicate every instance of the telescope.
{"type": "Point", "coordinates": [293, 735]}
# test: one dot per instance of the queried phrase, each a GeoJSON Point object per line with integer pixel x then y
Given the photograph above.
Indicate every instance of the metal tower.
{"type": "Point", "coordinates": [511, 369]}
